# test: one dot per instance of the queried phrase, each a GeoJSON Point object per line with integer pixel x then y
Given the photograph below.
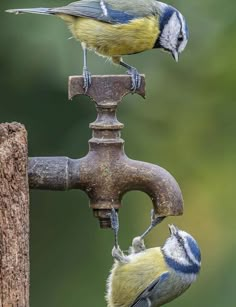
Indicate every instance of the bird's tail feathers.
{"type": "Point", "coordinates": [39, 10]}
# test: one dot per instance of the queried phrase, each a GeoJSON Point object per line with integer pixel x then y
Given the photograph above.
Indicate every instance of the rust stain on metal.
{"type": "Point", "coordinates": [105, 89]}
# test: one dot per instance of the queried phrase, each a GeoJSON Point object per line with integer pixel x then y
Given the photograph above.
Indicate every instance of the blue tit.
{"type": "Point", "coordinates": [155, 276]}
{"type": "Point", "coordinates": [113, 28]}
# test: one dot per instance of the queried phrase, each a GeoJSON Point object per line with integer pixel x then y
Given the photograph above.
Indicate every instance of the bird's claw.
{"type": "Point", "coordinates": [135, 79]}
{"type": "Point", "coordinates": [87, 79]}
{"type": "Point", "coordinates": [156, 220]}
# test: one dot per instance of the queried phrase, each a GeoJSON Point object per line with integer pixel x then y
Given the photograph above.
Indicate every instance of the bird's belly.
{"type": "Point", "coordinates": [116, 39]}
{"type": "Point", "coordinates": [169, 290]}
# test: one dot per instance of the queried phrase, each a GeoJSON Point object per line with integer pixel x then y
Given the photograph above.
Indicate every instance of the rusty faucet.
{"type": "Point", "coordinates": [105, 174]}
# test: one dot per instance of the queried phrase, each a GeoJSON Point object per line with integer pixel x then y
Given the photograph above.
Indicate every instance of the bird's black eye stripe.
{"type": "Point", "coordinates": [179, 239]}
{"type": "Point", "coordinates": [181, 242]}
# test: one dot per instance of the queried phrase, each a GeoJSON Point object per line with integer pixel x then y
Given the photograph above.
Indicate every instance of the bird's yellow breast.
{"type": "Point", "coordinates": [130, 279]}
{"type": "Point", "coordinates": [115, 39]}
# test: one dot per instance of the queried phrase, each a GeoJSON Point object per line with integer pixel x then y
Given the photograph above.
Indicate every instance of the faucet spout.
{"type": "Point", "coordinates": [158, 183]}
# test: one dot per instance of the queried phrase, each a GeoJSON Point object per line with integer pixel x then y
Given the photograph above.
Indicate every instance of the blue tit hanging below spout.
{"type": "Point", "coordinates": [155, 276]}
{"type": "Point", "coordinates": [113, 28]}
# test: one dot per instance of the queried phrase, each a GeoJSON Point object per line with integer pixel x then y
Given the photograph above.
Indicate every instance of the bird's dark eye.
{"type": "Point", "coordinates": [180, 239]}
{"type": "Point", "coordinates": [180, 38]}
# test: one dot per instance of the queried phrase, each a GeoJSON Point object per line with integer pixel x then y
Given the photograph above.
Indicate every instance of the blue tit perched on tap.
{"type": "Point", "coordinates": [113, 28]}
{"type": "Point", "coordinates": [155, 276]}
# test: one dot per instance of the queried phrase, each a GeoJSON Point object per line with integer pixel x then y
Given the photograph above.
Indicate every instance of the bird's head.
{"type": "Point", "coordinates": [182, 253]}
{"type": "Point", "coordinates": [174, 32]}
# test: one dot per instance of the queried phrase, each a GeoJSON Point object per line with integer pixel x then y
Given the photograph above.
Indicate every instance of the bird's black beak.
{"type": "Point", "coordinates": [175, 55]}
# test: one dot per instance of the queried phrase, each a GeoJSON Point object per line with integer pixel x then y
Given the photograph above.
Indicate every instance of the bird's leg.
{"type": "Point", "coordinates": [115, 226]}
{"type": "Point", "coordinates": [138, 242]}
{"type": "Point", "coordinates": [116, 251]}
{"type": "Point", "coordinates": [86, 73]}
{"type": "Point", "coordinates": [154, 221]}
{"type": "Point", "coordinates": [135, 76]}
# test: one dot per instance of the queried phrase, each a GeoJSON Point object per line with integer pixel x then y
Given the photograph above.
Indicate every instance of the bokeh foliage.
{"type": "Point", "coordinates": [187, 125]}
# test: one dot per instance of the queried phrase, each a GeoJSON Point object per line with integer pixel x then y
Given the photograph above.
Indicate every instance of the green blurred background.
{"type": "Point", "coordinates": [187, 125]}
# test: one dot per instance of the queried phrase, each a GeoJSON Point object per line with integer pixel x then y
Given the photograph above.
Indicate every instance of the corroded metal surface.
{"type": "Point", "coordinates": [105, 89]}
{"type": "Point", "coordinates": [106, 173]}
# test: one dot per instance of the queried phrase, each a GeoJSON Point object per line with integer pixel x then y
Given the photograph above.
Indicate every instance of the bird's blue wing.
{"type": "Point", "coordinates": [143, 299]}
{"type": "Point", "coordinates": [97, 9]}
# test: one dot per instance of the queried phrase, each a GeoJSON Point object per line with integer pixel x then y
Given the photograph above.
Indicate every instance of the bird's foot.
{"type": "Point", "coordinates": [156, 220]}
{"type": "Point", "coordinates": [87, 79]}
{"type": "Point", "coordinates": [135, 78]}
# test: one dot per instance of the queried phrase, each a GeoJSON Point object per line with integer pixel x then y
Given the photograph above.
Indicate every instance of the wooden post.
{"type": "Point", "coordinates": [14, 217]}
